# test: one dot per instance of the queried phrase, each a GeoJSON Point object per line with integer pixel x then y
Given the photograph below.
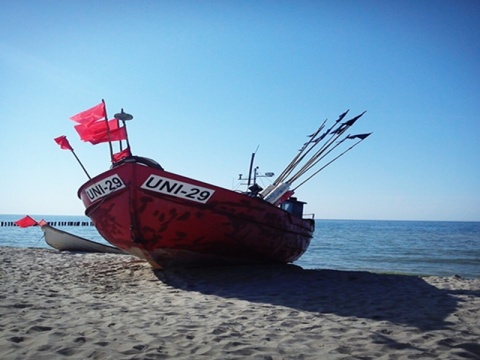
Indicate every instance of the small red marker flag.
{"type": "Point", "coordinates": [26, 221]}
{"type": "Point", "coordinates": [121, 155]}
{"type": "Point", "coordinates": [65, 145]}
{"type": "Point", "coordinates": [63, 142]}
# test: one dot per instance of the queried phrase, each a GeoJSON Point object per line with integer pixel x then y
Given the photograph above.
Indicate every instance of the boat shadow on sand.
{"type": "Point", "coordinates": [408, 300]}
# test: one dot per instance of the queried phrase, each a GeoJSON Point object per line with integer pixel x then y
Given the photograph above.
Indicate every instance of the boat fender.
{"type": "Point", "coordinates": [138, 159]}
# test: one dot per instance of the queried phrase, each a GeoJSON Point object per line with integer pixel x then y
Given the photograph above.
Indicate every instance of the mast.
{"type": "Point", "coordinates": [253, 175]}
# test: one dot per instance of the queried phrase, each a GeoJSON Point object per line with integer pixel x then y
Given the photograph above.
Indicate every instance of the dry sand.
{"type": "Point", "coordinates": [101, 306]}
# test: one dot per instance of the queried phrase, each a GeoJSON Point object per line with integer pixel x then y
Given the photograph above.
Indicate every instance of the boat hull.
{"type": "Point", "coordinates": [171, 220]}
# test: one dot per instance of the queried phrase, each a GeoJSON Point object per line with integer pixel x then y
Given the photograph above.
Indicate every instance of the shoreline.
{"type": "Point", "coordinates": [106, 306]}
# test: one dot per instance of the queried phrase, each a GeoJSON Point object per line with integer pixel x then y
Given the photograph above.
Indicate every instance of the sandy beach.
{"type": "Point", "coordinates": [102, 306]}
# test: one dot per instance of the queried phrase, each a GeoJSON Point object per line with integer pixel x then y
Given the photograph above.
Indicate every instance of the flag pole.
{"type": "Point", "coordinates": [320, 154]}
{"type": "Point", "coordinates": [65, 145]}
{"type": "Point", "coordinates": [83, 167]}
{"type": "Point", "coordinates": [126, 137]}
{"type": "Point", "coordinates": [331, 161]}
{"type": "Point", "coordinates": [108, 130]}
{"type": "Point", "coordinates": [307, 148]}
{"type": "Point", "coordinates": [126, 117]}
{"type": "Point", "coordinates": [300, 156]}
{"type": "Point", "coordinates": [123, 116]}
{"type": "Point", "coordinates": [118, 126]}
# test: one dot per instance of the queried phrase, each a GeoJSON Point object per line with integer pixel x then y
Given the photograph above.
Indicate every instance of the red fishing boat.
{"type": "Point", "coordinates": [171, 220]}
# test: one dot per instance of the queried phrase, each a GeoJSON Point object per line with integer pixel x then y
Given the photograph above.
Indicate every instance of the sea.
{"type": "Point", "coordinates": [439, 248]}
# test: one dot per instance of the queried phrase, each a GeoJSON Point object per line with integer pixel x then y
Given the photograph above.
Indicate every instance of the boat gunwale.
{"type": "Point", "coordinates": [307, 223]}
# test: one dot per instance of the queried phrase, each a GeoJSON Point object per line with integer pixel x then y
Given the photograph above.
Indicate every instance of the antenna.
{"type": "Point", "coordinates": [256, 175]}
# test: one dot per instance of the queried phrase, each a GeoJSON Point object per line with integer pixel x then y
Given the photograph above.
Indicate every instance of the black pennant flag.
{"type": "Point", "coordinates": [359, 136]}
{"type": "Point", "coordinates": [352, 121]}
{"type": "Point", "coordinates": [340, 118]}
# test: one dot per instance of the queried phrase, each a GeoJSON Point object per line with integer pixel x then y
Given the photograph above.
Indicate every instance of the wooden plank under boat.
{"type": "Point", "coordinates": [65, 241]}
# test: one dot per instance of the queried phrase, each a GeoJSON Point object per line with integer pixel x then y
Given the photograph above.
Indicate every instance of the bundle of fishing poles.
{"type": "Point", "coordinates": [321, 144]}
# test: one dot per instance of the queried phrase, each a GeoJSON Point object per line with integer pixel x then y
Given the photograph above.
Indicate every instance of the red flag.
{"type": "Point", "coordinates": [115, 135]}
{"type": "Point", "coordinates": [63, 142]}
{"type": "Point", "coordinates": [26, 221]}
{"type": "Point", "coordinates": [97, 132]}
{"type": "Point", "coordinates": [121, 155]}
{"type": "Point", "coordinates": [95, 129]}
{"type": "Point", "coordinates": [88, 116]}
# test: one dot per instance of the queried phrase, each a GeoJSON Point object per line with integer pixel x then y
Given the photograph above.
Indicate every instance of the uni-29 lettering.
{"type": "Point", "coordinates": [104, 187]}
{"type": "Point", "coordinates": [177, 188]}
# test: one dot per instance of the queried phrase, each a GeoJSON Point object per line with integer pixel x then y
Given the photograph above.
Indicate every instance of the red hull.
{"type": "Point", "coordinates": [172, 220]}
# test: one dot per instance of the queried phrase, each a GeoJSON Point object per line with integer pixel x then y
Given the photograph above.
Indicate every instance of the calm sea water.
{"type": "Point", "coordinates": [407, 247]}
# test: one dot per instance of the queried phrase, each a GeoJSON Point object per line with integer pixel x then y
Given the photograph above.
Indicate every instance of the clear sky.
{"type": "Point", "coordinates": [209, 81]}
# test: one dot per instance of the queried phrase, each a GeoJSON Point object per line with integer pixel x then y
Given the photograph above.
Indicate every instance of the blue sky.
{"type": "Point", "coordinates": [210, 81]}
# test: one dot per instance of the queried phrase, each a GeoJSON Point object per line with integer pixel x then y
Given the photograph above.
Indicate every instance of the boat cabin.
{"type": "Point", "coordinates": [293, 206]}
